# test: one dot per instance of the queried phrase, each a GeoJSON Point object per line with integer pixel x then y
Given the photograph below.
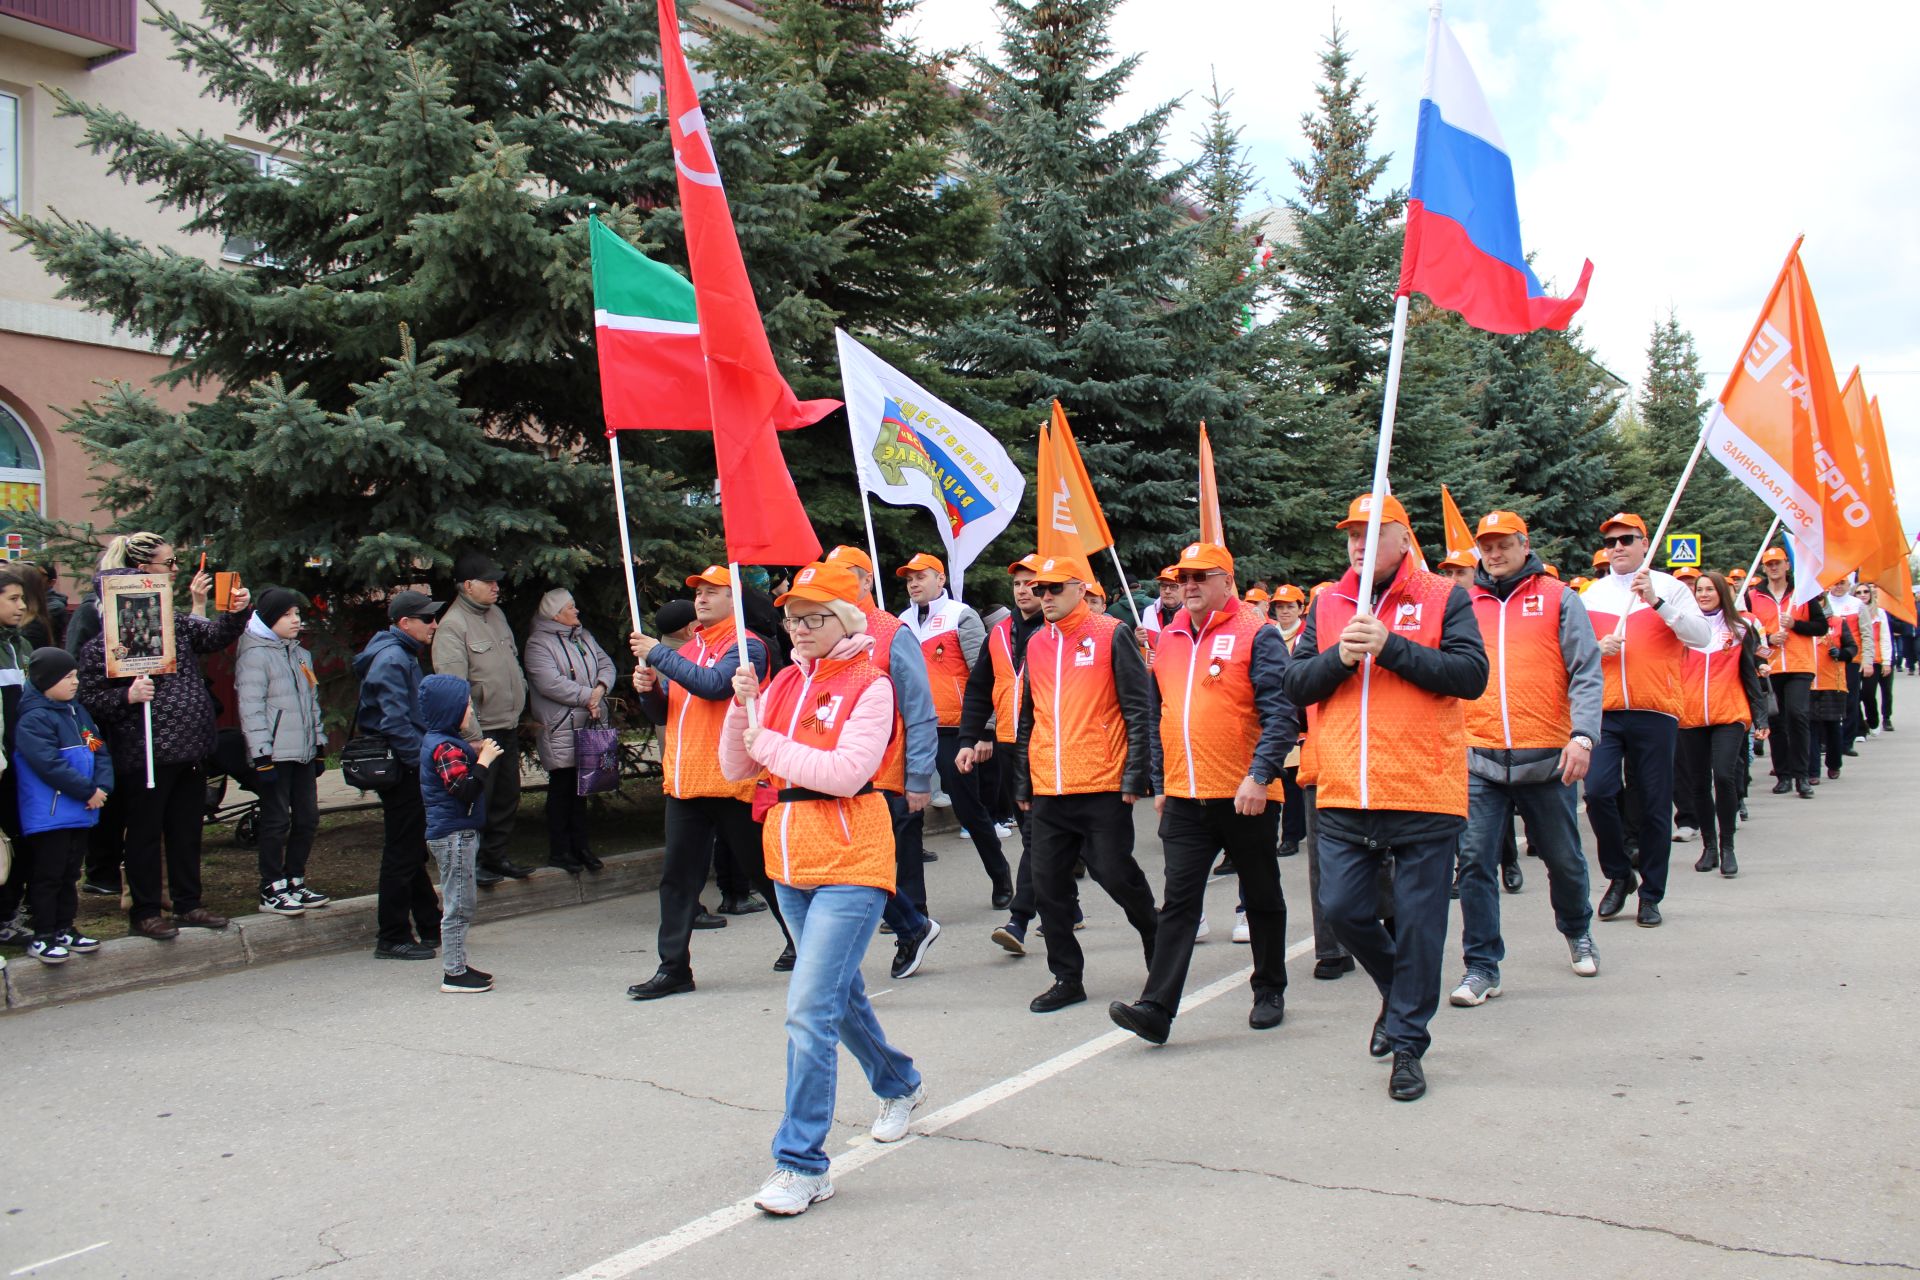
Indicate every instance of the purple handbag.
{"type": "Point", "coordinates": [596, 753]}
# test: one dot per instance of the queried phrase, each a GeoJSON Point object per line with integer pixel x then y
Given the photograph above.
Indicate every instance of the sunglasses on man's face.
{"type": "Point", "coordinates": [1619, 540]}
{"type": "Point", "coordinates": [1048, 588]}
{"type": "Point", "coordinates": [1193, 577]}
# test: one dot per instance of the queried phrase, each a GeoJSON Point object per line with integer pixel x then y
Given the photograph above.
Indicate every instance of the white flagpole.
{"type": "Point", "coordinates": [740, 635]}
{"type": "Point", "coordinates": [866, 509]}
{"type": "Point", "coordinates": [1126, 589]}
{"type": "Point", "coordinates": [1666, 519]}
{"type": "Point", "coordinates": [1747, 582]}
{"type": "Point", "coordinates": [1369, 561]}
{"type": "Point", "coordinates": [626, 540]}
{"type": "Point", "coordinates": [148, 704]}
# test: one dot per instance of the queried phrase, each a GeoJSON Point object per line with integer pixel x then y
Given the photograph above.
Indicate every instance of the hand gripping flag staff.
{"type": "Point", "coordinates": [1462, 246]}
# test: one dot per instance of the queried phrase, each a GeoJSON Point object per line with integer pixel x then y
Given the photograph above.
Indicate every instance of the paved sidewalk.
{"type": "Point", "coordinates": [1732, 1097]}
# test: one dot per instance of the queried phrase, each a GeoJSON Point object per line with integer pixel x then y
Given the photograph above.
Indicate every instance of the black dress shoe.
{"type": "Point", "coordinates": [1804, 788]}
{"type": "Point", "coordinates": [510, 869]}
{"type": "Point", "coordinates": [1832, 774]}
{"type": "Point", "coordinates": [1511, 877]}
{"type": "Point", "coordinates": [1783, 786]}
{"type": "Point", "coordinates": [1379, 1046]}
{"type": "Point", "coordinates": [1848, 752]}
{"type": "Point", "coordinates": [745, 905]}
{"type": "Point", "coordinates": [402, 951]}
{"type": "Point", "coordinates": [1148, 1021]}
{"type": "Point", "coordinates": [1409, 1080]}
{"type": "Point", "coordinates": [1269, 1011]}
{"type": "Point", "coordinates": [1332, 967]}
{"type": "Point", "coordinates": [567, 865]}
{"type": "Point", "coordinates": [1649, 917]}
{"type": "Point", "coordinates": [705, 919]}
{"type": "Point", "coordinates": [928, 855]}
{"type": "Point", "coordinates": [661, 984]}
{"type": "Point", "coordinates": [1225, 868]}
{"type": "Point", "coordinates": [589, 860]}
{"type": "Point", "coordinates": [1058, 996]}
{"type": "Point", "coordinates": [1289, 848]}
{"type": "Point", "coordinates": [784, 963]}
{"type": "Point", "coordinates": [1002, 896]}
{"type": "Point", "coordinates": [486, 879]}
{"type": "Point", "coordinates": [1614, 900]}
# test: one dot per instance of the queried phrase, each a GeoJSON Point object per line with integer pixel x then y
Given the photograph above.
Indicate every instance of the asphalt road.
{"type": "Point", "coordinates": [1733, 1096]}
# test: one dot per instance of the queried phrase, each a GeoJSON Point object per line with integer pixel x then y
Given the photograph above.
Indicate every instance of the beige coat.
{"type": "Point", "coordinates": [477, 645]}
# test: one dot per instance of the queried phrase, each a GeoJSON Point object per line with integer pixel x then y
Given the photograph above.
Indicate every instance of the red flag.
{"type": "Point", "coordinates": [765, 522]}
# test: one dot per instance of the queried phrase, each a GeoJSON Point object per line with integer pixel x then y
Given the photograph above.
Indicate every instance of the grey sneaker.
{"type": "Point", "coordinates": [789, 1192]}
{"type": "Point", "coordinates": [896, 1114]}
{"type": "Point", "coordinates": [1474, 989]}
{"type": "Point", "coordinates": [1586, 956]}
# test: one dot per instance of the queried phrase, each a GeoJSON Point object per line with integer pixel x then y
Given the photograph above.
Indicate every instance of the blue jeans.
{"type": "Point", "coordinates": [826, 1008]}
{"type": "Point", "coordinates": [1548, 809]}
{"type": "Point", "coordinates": [1404, 964]}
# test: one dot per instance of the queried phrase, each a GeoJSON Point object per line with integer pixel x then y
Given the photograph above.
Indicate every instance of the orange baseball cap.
{"type": "Point", "coordinates": [1062, 569]}
{"type": "Point", "coordinates": [1095, 589]}
{"type": "Point", "coordinates": [1460, 560]}
{"type": "Point", "coordinates": [1391, 512]}
{"type": "Point", "coordinates": [1686, 574]}
{"type": "Point", "coordinates": [1205, 557]}
{"type": "Point", "coordinates": [919, 562]}
{"type": "Point", "coordinates": [824, 582]}
{"type": "Point", "coordinates": [1167, 576]}
{"type": "Point", "coordinates": [1552, 571]}
{"type": "Point", "coordinates": [1256, 596]}
{"type": "Point", "coordinates": [1736, 575]}
{"type": "Point", "coordinates": [1030, 562]}
{"type": "Point", "coordinates": [1775, 555]}
{"type": "Point", "coordinates": [1624, 520]}
{"type": "Point", "coordinates": [714, 575]}
{"type": "Point", "coordinates": [1581, 584]}
{"type": "Point", "coordinates": [853, 557]}
{"type": "Point", "coordinates": [1289, 594]}
{"type": "Point", "coordinates": [1600, 558]}
{"type": "Point", "coordinates": [1499, 522]}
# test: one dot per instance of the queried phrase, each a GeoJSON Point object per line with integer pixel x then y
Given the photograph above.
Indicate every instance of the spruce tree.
{"type": "Point", "coordinates": [1096, 250]}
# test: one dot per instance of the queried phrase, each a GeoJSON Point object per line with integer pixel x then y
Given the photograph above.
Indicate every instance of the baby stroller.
{"type": "Point", "coordinates": [229, 764]}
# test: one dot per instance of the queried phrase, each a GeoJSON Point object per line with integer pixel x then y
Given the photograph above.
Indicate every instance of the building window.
{"type": "Point", "coordinates": [244, 248]}
{"type": "Point", "coordinates": [23, 480]}
{"type": "Point", "coordinates": [10, 153]}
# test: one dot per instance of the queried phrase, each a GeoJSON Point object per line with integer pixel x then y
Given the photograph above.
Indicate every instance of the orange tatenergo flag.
{"type": "Point", "coordinates": [1780, 427]}
{"type": "Point", "coordinates": [1071, 523]}
{"type": "Point", "coordinates": [747, 397]}
{"type": "Point", "coordinates": [1876, 476]}
{"type": "Point", "coordinates": [1896, 580]}
{"type": "Point", "coordinates": [1459, 532]}
{"type": "Point", "coordinates": [1211, 528]}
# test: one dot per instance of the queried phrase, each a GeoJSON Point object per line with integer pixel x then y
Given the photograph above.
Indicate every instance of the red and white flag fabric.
{"type": "Point", "coordinates": [750, 401]}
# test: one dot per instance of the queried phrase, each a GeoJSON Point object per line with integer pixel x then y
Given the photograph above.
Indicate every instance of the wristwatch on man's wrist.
{"type": "Point", "coordinates": [1583, 740]}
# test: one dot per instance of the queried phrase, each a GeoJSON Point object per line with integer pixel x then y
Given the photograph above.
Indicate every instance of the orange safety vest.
{"type": "Point", "coordinates": [1711, 680]}
{"type": "Point", "coordinates": [829, 841]}
{"type": "Point", "coordinates": [1830, 674]}
{"type": "Point", "coordinates": [883, 626]}
{"type": "Point", "coordinates": [1381, 742]}
{"type": "Point", "coordinates": [1645, 674]}
{"type": "Point", "coordinates": [1209, 724]}
{"type": "Point", "coordinates": [1796, 657]}
{"type": "Point", "coordinates": [946, 660]}
{"type": "Point", "coordinates": [1078, 744]}
{"type": "Point", "coordinates": [690, 746]}
{"type": "Point", "coordinates": [1525, 706]}
{"type": "Point", "coordinates": [1008, 681]}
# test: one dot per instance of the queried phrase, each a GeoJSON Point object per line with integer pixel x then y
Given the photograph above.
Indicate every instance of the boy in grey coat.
{"type": "Point", "coordinates": [280, 714]}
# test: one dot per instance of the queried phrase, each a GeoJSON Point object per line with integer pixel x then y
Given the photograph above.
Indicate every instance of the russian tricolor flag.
{"type": "Point", "coordinates": [1463, 226]}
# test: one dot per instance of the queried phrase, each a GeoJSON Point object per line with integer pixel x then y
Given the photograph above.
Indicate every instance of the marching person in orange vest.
{"type": "Point", "coordinates": [990, 722]}
{"type": "Point", "coordinates": [1225, 728]}
{"type": "Point", "coordinates": [1385, 701]}
{"type": "Point", "coordinates": [687, 693]}
{"type": "Point", "coordinates": [1085, 752]}
{"type": "Point", "coordinates": [906, 775]}
{"type": "Point", "coordinates": [1288, 606]}
{"type": "Point", "coordinates": [951, 636]}
{"type": "Point", "coordinates": [1641, 664]}
{"type": "Point", "coordinates": [1530, 738]}
{"type": "Point", "coordinates": [827, 724]}
{"type": "Point", "coordinates": [1790, 632]}
{"type": "Point", "coordinates": [1166, 608]}
{"type": "Point", "coordinates": [1725, 701]}
{"type": "Point", "coordinates": [1832, 663]}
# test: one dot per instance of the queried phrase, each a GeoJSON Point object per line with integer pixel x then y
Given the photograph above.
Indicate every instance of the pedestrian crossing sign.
{"type": "Point", "coordinates": [1683, 550]}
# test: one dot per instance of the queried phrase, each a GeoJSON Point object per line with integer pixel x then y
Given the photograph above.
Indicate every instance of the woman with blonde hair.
{"type": "Point", "coordinates": [568, 678]}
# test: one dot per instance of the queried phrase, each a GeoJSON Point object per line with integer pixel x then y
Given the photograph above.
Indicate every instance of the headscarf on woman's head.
{"type": "Point", "coordinates": [131, 550]}
{"type": "Point", "coordinates": [554, 601]}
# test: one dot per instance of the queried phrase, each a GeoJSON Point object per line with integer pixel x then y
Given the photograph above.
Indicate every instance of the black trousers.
{"type": "Point", "coordinates": [503, 798]}
{"type": "Point", "coordinates": [107, 843]}
{"type": "Point", "coordinates": [13, 889]}
{"type": "Point", "coordinates": [1193, 833]}
{"type": "Point", "coordinates": [1293, 818]}
{"type": "Point", "coordinates": [1855, 725]}
{"type": "Point", "coordinates": [1788, 743]}
{"type": "Point", "coordinates": [971, 809]}
{"type": "Point", "coordinates": [566, 815]}
{"type": "Point", "coordinates": [1096, 829]}
{"type": "Point", "coordinates": [1825, 737]}
{"type": "Point", "coordinates": [1876, 698]}
{"type": "Point", "coordinates": [289, 815]}
{"type": "Point", "coordinates": [691, 828]}
{"type": "Point", "coordinates": [407, 901]}
{"type": "Point", "coordinates": [1646, 740]}
{"type": "Point", "coordinates": [1711, 760]}
{"type": "Point", "coordinates": [909, 851]}
{"type": "Point", "coordinates": [163, 827]}
{"type": "Point", "coordinates": [54, 859]}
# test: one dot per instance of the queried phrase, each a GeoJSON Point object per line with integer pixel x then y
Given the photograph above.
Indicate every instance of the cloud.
{"type": "Point", "coordinates": [1680, 147]}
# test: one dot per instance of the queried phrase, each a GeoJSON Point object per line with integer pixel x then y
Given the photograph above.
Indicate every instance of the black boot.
{"type": "Point", "coordinates": [1709, 854]}
{"type": "Point", "coordinates": [1728, 867]}
{"type": "Point", "coordinates": [1804, 787]}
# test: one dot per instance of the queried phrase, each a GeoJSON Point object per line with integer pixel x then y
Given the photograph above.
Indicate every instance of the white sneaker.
{"type": "Point", "coordinates": [896, 1113]}
{"type": "Point", "coordinates": [1683, 834]}
{"type": "Point", "coordinates": [1200, 934]}
{"type": "Point", "coordinates": [789, 1192]}
{"type": "Point", "coordinates": [1474, 989]}
{"type": "Point", "coordinates": [1586, 958]}
{"type": "Point", "coordinates": [941, 800]}
{"type": "Point", "coordinates": [1240, 931]}
{"type": "Point", "coordinates": [1005, 830]}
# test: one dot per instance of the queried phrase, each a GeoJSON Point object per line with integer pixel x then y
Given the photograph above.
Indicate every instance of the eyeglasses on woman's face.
{"type": "Point", "coordinates": [171, 562]}
{"type": "Point", "coordinates": [805, 621]}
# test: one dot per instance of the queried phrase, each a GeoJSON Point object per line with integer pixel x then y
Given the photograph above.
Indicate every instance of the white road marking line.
{"type": "Point", "coordinates": [47, 1262]}
{"type": "Point", "coordinates": [684, 1237]}
{"type": "Point", "coordinates": [875, 995]}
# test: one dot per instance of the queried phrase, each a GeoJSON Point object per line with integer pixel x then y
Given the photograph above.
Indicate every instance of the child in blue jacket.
{"type": "Point", "coordinates": [453, 787]}
{"type": "Point", "coordinates": [65, 774]}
